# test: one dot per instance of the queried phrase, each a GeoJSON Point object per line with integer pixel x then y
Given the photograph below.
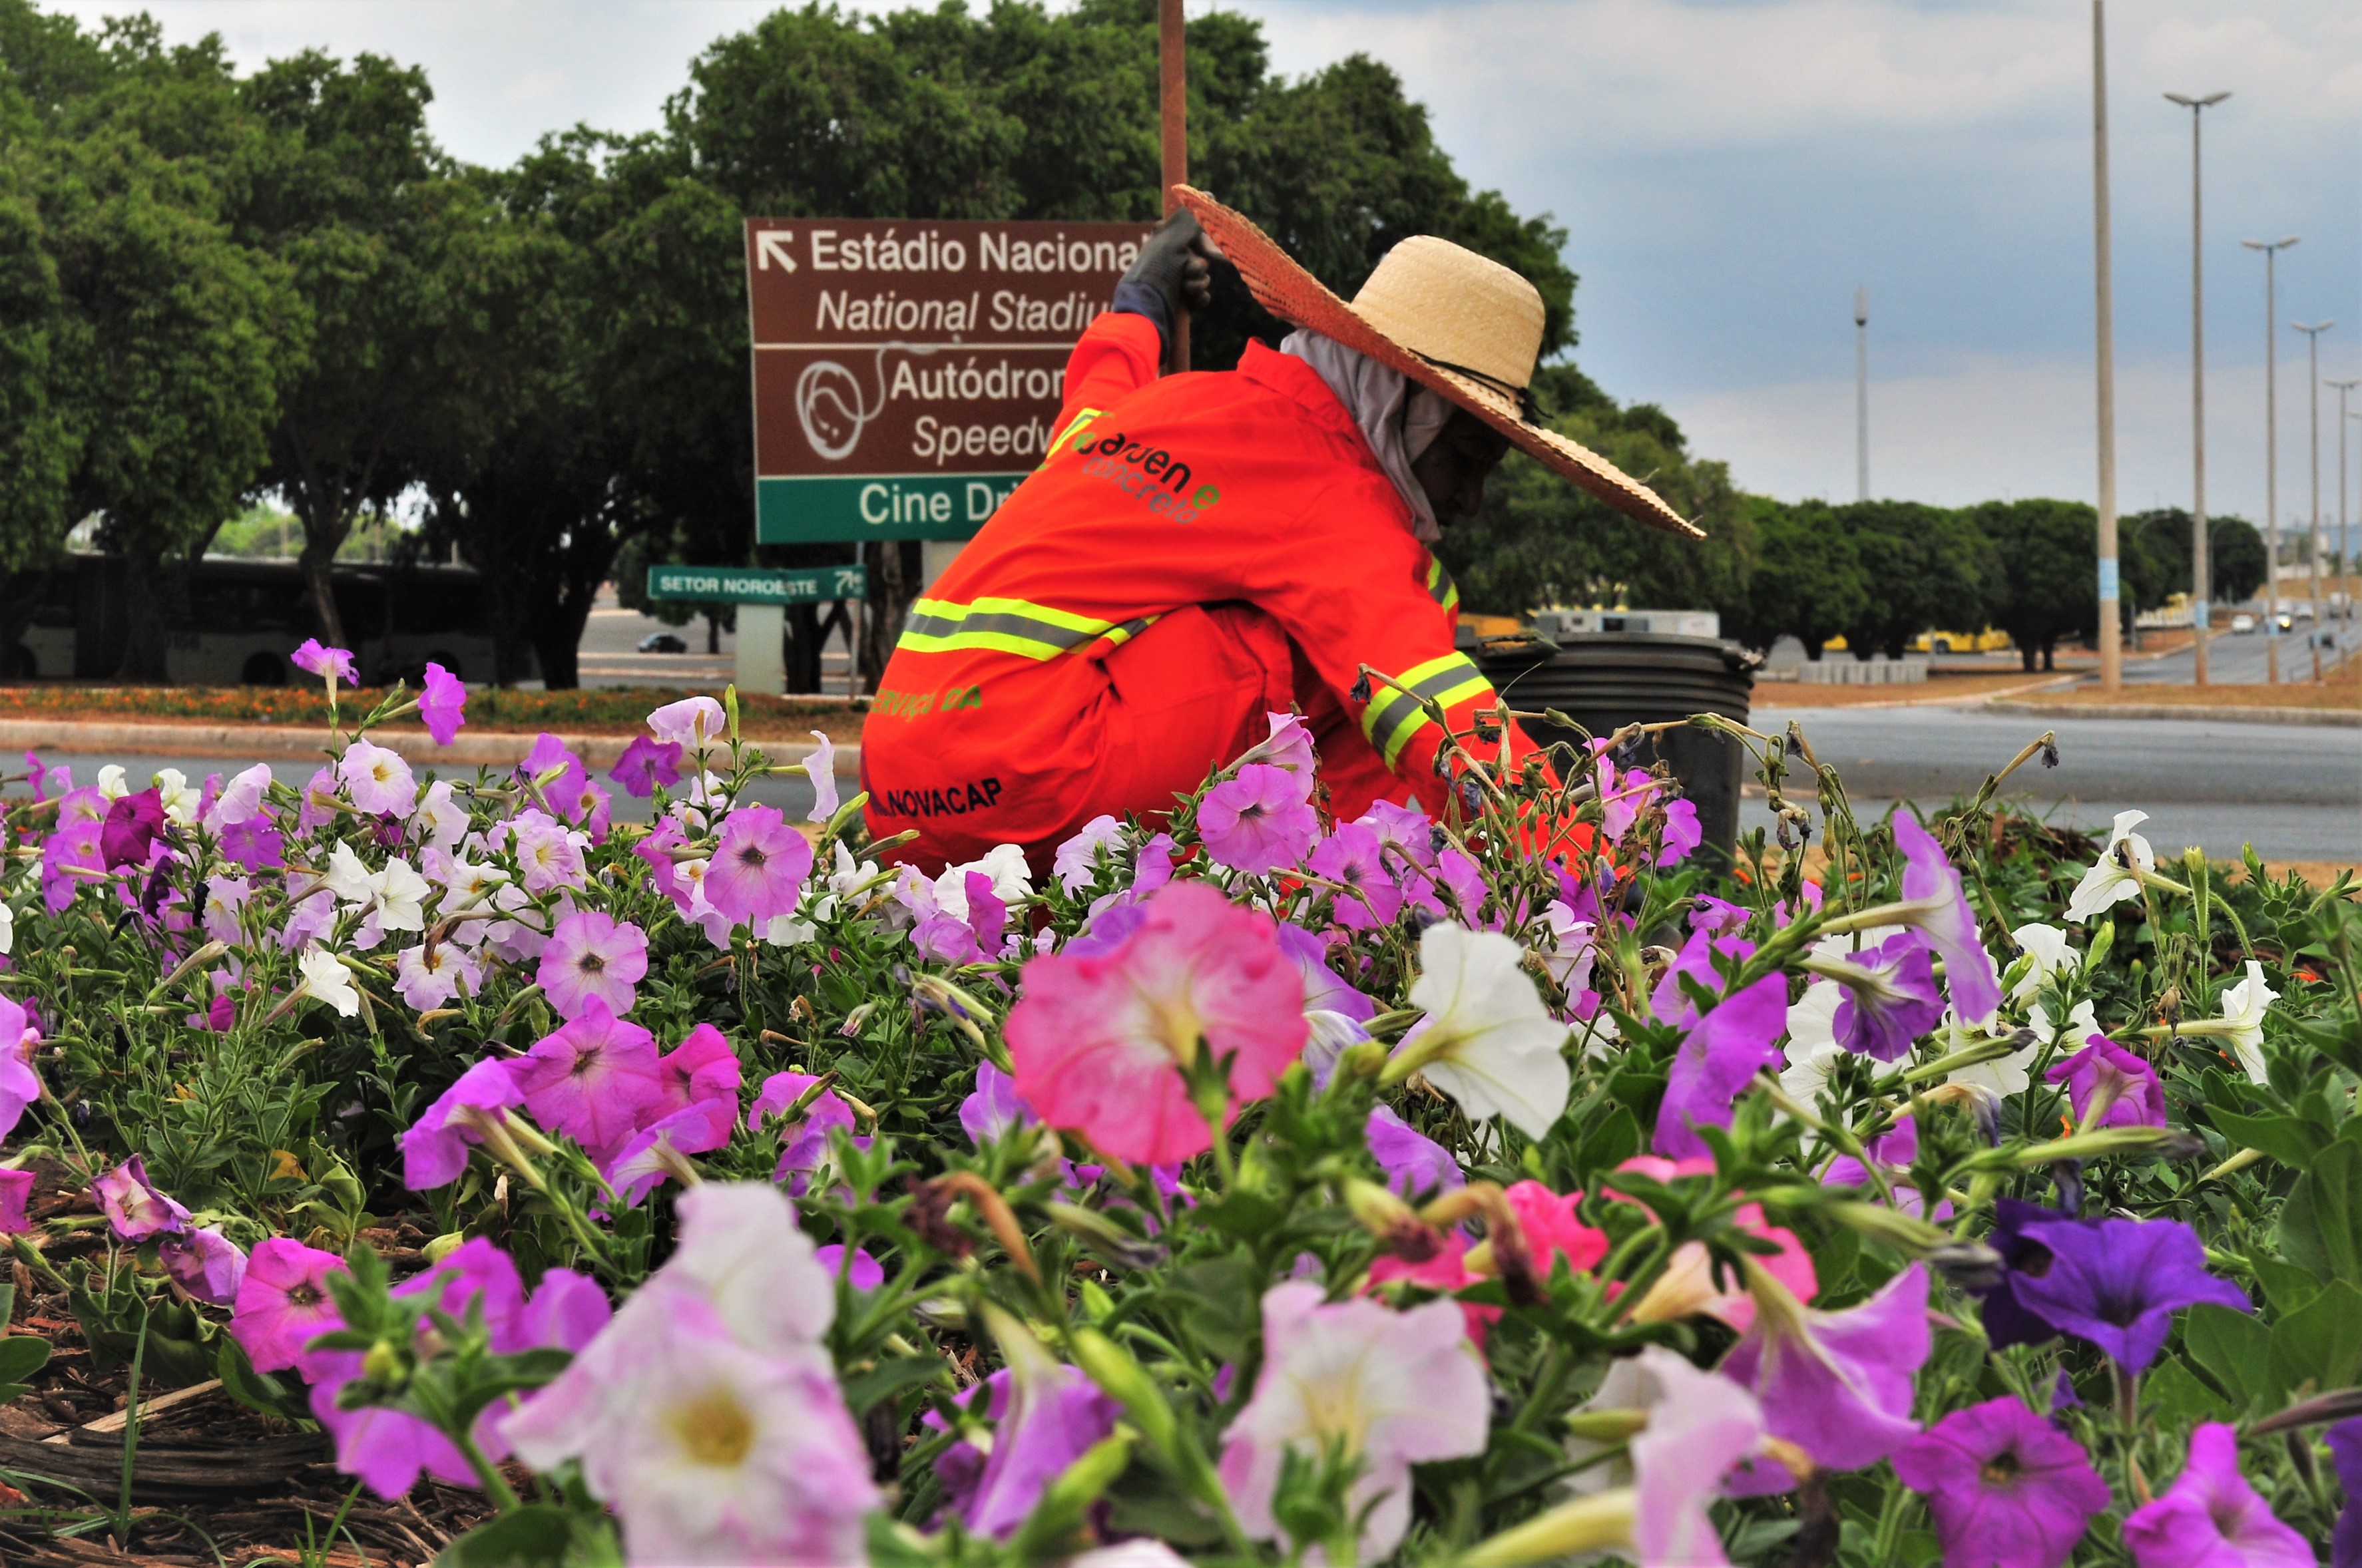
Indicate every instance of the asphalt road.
{"type": "Point", "coordinates": [2241, 658]}
{"type": "Point", "coordinates": [2294, 791]}
{"type": "Point", "coordinates": [609, 653]}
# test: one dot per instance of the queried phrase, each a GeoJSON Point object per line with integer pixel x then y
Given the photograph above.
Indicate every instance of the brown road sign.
{"type": "Point", "coordinates": [908, 375]}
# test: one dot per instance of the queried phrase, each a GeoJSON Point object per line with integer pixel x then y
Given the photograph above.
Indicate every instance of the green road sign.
{"type": "Point", "coordinates": [876, 506]}
{"type": "Point", "coordinates": [755, 585]}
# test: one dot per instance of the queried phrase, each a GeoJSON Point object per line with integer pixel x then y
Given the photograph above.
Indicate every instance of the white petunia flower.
{"type": "Point", "coordinates": [241, 799]}
{"type": "Point", "coordinates": [2110, 883]}
{"type": "Point", "coordinates": [111, 784]}
{"type": "Point", "coordinates": [179, 798]}
{"type": "Point", "coordinates": [2243, 1011]}
{"type": "Point", "coordinates": [2046, 946]}
{"type": "Point", "coordinates": [398, 892]}
{"type": "Point", "coordinates": [347, 877]}
{"type": "Point", "coordinates": [325, 980]}
{"type": "Point", "coordinates": [1487, 1041]}
{"type": "Point", "coordinates": [1813, 1049]}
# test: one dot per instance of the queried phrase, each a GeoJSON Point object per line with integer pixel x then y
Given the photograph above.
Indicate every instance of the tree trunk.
{"type": "Point", "coordinates": [887, 604]}
{"type": "Point", "coordinates": [316, 561]}
{"type": "Point", "coordinates": [712, 635]}
{"type": "Point", "coordinates": [2050, 655]}
{"type": "Point", "coordinates": [2026, 654]}
{"type": "Point", "coordinates": [143, 607]}
{"type": "Point", "coordinates": [803, 648]}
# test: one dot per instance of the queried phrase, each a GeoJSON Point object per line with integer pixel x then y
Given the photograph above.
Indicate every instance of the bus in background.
{"type": "Point", "coordinates": [243, 618]}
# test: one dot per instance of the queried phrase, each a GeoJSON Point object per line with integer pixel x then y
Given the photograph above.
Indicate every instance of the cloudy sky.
{"type": "Point", "coordinates": [1729, 171]}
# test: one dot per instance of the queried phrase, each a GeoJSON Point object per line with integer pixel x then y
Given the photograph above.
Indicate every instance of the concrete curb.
{"type": "Point", "coordinates": [270, 742]}
{"type": "Point", "coordinates": [2153, 711]}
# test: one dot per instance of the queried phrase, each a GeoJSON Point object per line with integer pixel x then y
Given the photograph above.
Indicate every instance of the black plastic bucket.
{"type": "Point", "coordinates": [1607, 681]}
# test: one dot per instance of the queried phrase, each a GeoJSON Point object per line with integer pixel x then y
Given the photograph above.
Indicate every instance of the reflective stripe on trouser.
{"type": "Point", "coordinates": [1394, 715]}
{"type": "Point", "coordinates": [1010, 625]}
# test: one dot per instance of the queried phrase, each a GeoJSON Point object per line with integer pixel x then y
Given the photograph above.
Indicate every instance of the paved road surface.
{"type": "Point", "coordinates": [2294, 791]}
{"type": "Point", "coordinates": [608, 654]}
{"type": "Point", "coordinates": [2240, 659]}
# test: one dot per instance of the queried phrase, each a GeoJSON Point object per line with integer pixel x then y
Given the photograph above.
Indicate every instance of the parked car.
{"type": "Point", "coordinates": [663, 642]}
{"type": "Point", "coordinates": [2243, 624]}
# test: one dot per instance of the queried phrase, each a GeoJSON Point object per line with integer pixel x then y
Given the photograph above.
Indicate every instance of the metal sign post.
{"type": "Point", "coordinates": [908, 374]}
{"type": "Point", "coordinates": [762, 597]}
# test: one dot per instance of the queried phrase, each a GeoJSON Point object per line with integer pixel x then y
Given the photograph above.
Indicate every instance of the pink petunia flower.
{"type": "Point", "coordinates": [442, 704]}
{"type": "Point", "coordinates": [206, 1263]}
{"type": "Point", "coordinates": [378, 780]}
{"type": "Point", "coordinates": [283, 1302]}
{"type": "Point", "coordinates": [328, 664]}
{"type": "Point", "coordinates": [1838, 1384]}
{"type": "Point", "coordinates": [1100, 1043]}
{"type": "Point", "coordinates": [1258, 821]}
{"type": "Point", "coordinates": [2210, 1517]}
{"type": "Point", "coordinates": [435, 1147]}
{"type": "Point", "coordinates": [644, 764]}
{"type": "Point", "coordinates": [1354, 857]}
{"type": "Point", "coordinates": [758, 869]}
{"type": "Point", "coordinates": [592, 1080]}
{"type": "Point", "coordinates": [16, 1192]}
{"type": "Point", "coordinates": [700, 1071]}
{"type": "Point", "coordinates": [1552, 1231]}
{"type": "Point", "coordinates": [135, 1209]}
{"type": "Point", "coordinates": [693, 723]}
{"type": "Point", "coordinates": [19, 1085]}
{"type": "Point", "coordinates": [591, 955]}
{"type": "Point", "coordinates": [2111, 1087]}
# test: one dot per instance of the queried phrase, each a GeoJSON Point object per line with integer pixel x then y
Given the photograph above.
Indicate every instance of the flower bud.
{"type": "Point", "coordinates": [1603, 1521]}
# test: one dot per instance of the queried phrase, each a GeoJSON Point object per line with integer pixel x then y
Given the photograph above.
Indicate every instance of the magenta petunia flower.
{"type": "Point", "coordinates": [1259, 821]}
{"type": "Point", "coordinates": [1047, 1415]}
{"type": "Point", "coordinates": [2122, 1088]}
{"type": "Point", "coordinates": [19, 1085]}
{"type": "Point", "coordinates": [1414, 1163]}
{"type": "Point", "coordinates": [133, 822]}
{"type": "Point", "coordinates": [652, 1155]}
{"type": "Point", "coordinates": [2115, 1282]}
{"type": "Point", "coordinates": [442, 704]}
{"type": "Point", "coordinates": [135, 1210]}
{"type": "Point", "coordinates": [806, 1142]}
{"type": "Point", "coordinates": [1716, 1061]}
{"type": "Point", "coordinates": [1683, 834]}
{"type": "Point", "coordinates": [863, 1272]}
{"type": "Point", "coordinates": [1939, 908]}
{"type": "Point", "coordinates": [2345, 1441]}
{"type": "Point", "coordinates": [644, 764]}
{"type": "Point", "coordinates": [993, 1109]}
{"type": "Point", "coordinates": [1891, 996]}
{"type": "Point", "coordinates": [1353, 856]}
{"type": "Point", "coordinates": [435, 1147]}
{"type": "Point", "coordinates": [700, 1071]}
{"type": "Point", "coordinates": [1289, 747]}
{"type": "Point", "coordinates": [758, 869]}
{"type": "Point", "coordinates": [947, 938]}
{"type": "Point", "coordinates": [1100, 1043]}
{"type": "Point", "coordinates": [16, 1192]}
{"type": "Point", "coordinates": [2210, 1517]}
{"type": "Point", "coordinates": [1552, 1231]}
{"type": "Point", "coordinates": [328, 664]}
{"type": "Point", "coordinates": [594, 956]}
{"type": "Point", "coordinates": [2007, 1488]}
{"type": "Point", "coordinates": [206, 1263]}
{"type": "Point", "coordinates": [592, 1080]}
{"type": "Point", "coordinates": [1838, 1384]}
{"type": "Point", "coordinates": [283, 1302]}
{"type": "Point", "coordinates": [254, 844]}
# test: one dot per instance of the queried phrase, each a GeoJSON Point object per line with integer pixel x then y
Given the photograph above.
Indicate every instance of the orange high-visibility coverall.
{"type": "Point", "coordinates": [1195, 551]}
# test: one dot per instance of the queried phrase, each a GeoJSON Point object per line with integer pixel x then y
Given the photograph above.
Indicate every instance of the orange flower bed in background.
{"type": "Point", "coordinates": [608, 710]}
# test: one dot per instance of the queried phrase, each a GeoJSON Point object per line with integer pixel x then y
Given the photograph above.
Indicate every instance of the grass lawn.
{"type": "Point", "coordinates": [607, 710]}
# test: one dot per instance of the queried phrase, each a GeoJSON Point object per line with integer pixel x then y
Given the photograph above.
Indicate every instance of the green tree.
{"type": "Point", "coordinates": [1807, 582]}
{"type": "Point", "coordinates": [2046, 554]}
{"type": "Point", "coordinates": [2159, 541]}
{"type": "Point", "coordinates": [1540, 541]}
{"type": "Point", "coordinates": [1921, 567]}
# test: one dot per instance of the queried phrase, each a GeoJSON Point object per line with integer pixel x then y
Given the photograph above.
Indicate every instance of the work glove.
{"type": "Point", "coordinates": [1174, 273]}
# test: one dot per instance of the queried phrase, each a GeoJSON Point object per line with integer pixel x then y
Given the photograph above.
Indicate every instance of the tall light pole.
{"type": "Point", "coordinates": [2312, 379]}
{"type": "Point", "coordinates": [2271, 249]}
{"type": "Point", "coordinates": [2345, 546]}
{"type": "Point", "coordinates": [2111, 628]}
{"type": "Point", "coordinates": [1861, 394]}
{"type": "Point", "coordinates": [2202, 572]}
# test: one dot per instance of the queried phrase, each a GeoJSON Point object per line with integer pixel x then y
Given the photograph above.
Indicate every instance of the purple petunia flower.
{"type": "Point", "coordinates": [1838, 1384]}
{"type": "Point", "coordinates": [1891, 996]}
{"type": "Point", "coordinates": [435, 1148]}
{"type": "Point", "coordinates": [254, 844]}
{"type": "Point", "coordinates": [1940, 908]}
{"type": "Point", "coordinates": [1413, 1162]}
{"type": "Point", "coordinates": [206, 1263]}
{"type": "Point", "coordinates": [993, 1109]}
{"type": "Point", "coordinates": [592, 1079]}
{"type": "Point", "coordinates": [329, 663]}
{"type": "Point", "coordinates": [948, 939]}
{"type": "Point", "coordinates": [1724, 1048]}
{"type": "Point", "coordinates": [591, 955]}
{"type": "Point", "coordinates": [759, 866]}
{"type": "Point", "coordinates": [2117, 1283]}
{"type": "Point", "coordinates": [132, 823]}
{"type": "Point", "coordinates": [2345, 1441]}
{"type": "Point", "coordinates": [16, 1192]}
{"type": "Point", "coordinates": [135, 1209]}
{"type": "Point", "coordinates": [863, 1272]}
{"type": "Point", "coordinates": [2007, 1488]}
{"type": "Point", "coordinates": [1050, 1414]}
{"type": "Point", "coordinates": [2122, 1088]}
{"type": "Point", "coordinates": [1259, 821]}
{"type": "Point", "coordinates": [441, 706]}
{"type": "Point", "coordinates": [644, 764]}
{"type": "Point", "coordinates": [2210, 1517]}
{"type": "Point", "coordinates": [1683, 834]}
{"type": "Point", "coordinates": [1353, 857]}
{"type": "Point", "coordinates": [1324, 989]}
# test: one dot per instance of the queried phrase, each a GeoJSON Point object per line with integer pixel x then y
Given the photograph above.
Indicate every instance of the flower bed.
{"type": "Point", "coordinates": [1478, 1189]}
{"type": "Point", "coordinates": [609, 710]}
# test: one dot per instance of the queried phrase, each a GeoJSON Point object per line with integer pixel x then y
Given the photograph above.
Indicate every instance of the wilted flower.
{"type": "Point", "coordinates": [331, 665]}
{"type": "Point", "coordinates": [2007, 1488]}
{"type": "Point", "coordinates": [135, 1209]}
{"type": "Point", "coordinates": [1487, 1041]}
{"type": "Point", "coordinates": [204, 1263]}
{"type": "Point", "coordinates": [591, 955]}
{"type": "Point", "coordinates": [1838, 1384]}
{"type": "Point", "coordinates": [378, 780]}
{"type": "Point", "coordinates": [2116, 876]}
{"type": "Point", "coordinates": [592, 1079]}
{"type": "Point", "coordinates": [442, 703]}
{"type": "Point", "coordinates": [283, 1302]}
{"type": "Point", "coordinates": [1260, 820]}
{"type": "Point", "coordinates": [1389, 1389]}
{"type": "Point", "coordinates": [758, 870]}
{"type": "Point", "coordinates": [2210, 1517]}
{"type": "Point", "coordinates": [820, 767]}
{"type": "Point", "coordinates": [1100, 1043]}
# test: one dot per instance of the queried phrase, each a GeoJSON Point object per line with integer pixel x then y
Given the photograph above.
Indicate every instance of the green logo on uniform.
{"type": "Point", "coordinates": [1206, 498]}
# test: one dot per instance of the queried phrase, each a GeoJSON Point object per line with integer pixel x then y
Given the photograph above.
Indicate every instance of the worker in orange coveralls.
{"type": "Point", "coordinates": [1199, 550]}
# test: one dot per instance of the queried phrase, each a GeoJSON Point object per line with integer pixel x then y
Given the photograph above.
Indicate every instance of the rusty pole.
{"type": "Point", "coordinates": [1173, 108]}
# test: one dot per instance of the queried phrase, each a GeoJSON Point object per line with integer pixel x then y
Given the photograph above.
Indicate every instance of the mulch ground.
{"type": "Point", "coordinates": [212, 1482]}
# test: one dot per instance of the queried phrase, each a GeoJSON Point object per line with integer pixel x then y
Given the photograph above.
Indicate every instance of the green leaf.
{"type": "Point", "coordinates": [533, 1536]}
{"type": "Point", "coordinates": [1218, 1302]}
{"type": "Point", "coordinates": [257, 1391]}
{"type": "Point", "coordinates": [21, 1355]}
{"type": "Point", "coordinates": [1614, 1141]}
{"type": "Point", "coordinates": [2320, 1343]}
{"type": "Point", "coordinates": [2232, 1347]}
{"type": "Point", "coordinates": [1244, 1215]}
{"type": "Point", "coordinates": [2286, 1286]}
{"type": "Point", "coordinates": [890, 1379]}
{"type": "Point", "coordinates": [2173, 1394]}
{"type": "Point", "coordinates": [2321, 1224]}
{"type": "Point", "coordinates": [2287, 1139]}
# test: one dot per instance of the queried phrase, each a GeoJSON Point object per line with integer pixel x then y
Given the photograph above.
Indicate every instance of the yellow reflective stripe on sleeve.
{"type": "Point", "coordinates": [1116, 636]}
{"type": "Point", "coordinates": [1394, 715]}
{"type": "Point", "coordinates": [1474, 686]}
{"type": "Point", "coordinates": [1081, 423]}
{"type": "Point", "coordinates": [1007, 625]}
{"type": "Point", "coordinates": [1439, 585]}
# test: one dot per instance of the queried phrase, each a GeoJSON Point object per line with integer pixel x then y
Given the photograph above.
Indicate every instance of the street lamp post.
{"type": "Point", "coordinates": [2271, 249]}
{"type": "Point", "coordinates": [2345, 546]}
{"type": "Point", "coordinates": [2201, 574]}
{"type": "Point", "coordinates": [2313, 377]}
{"type": "Point", "coordinates": [1861, 394]}
{"type": "Point", "coordinates": [2104, 344]}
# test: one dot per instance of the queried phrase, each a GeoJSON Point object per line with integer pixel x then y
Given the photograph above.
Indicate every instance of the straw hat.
{"type": "Point", "coordinates": [1447, 318]}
